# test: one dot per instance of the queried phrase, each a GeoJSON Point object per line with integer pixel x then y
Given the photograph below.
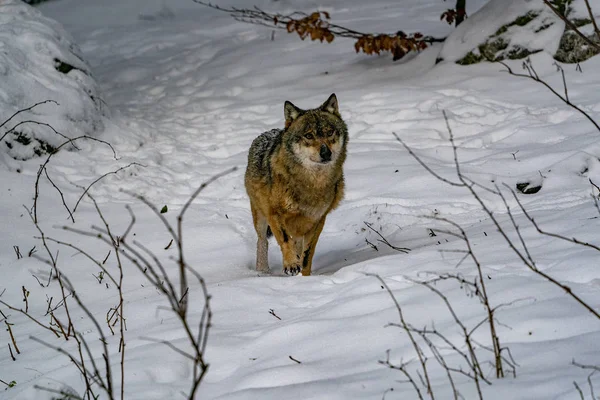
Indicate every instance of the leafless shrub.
{"type": "Point", "coordinates": [594, 369]}
{"type": "Point", "coordinates": [518, 246]}
{"type": "Point", "coordinates": [43, 170]}
{"type": "Point", "coordinates": [508, 232]}
{"type": "Point", "coordinates": [429, 343]}
{"type": "Point", "coordinates": [524, 254]}
{"type": "Point", "coordinates": [149, 264]}
{"type": "Point", "coordinates": [93, 366]}
{"type": "Point", "coordinates": [63, 327]}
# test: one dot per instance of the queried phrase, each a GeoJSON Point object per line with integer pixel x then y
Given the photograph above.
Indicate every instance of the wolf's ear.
{"type": "Point", "coordinates": [331, 105]}
{"type": "Point", "coordinates": [291, 112]}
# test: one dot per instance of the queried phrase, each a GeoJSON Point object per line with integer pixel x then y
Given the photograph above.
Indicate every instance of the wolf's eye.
{"type": "Point", "coordinates": [330, 133]}
{"type": "Point", "coordinates": [309, 136]}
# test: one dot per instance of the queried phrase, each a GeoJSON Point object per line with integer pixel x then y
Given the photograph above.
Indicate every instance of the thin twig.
{"type": "Point", "coordinates": [402, 368]}
{"type": "Point", "coordinates": [169, 345]}
{"type": "Point", "coordinates": [24, 110]}
{"type": "Point", "coordinates": [12, 337]}
{"type": "Point", "coordinates": [102, 177]}
{"type": "Point", "coordinates": [424, 165]}
{"type": "Point", "coordinates": [384, 240]}
{"type": "Point", "coordinates": [293, 359]}
{"type": "Point", "coordinates": [409, 331]}
{"type": "Point", "coordinates": [272, 312]}
{"type": "Point", "coordinates": [43, 168]}
{"type": "Point", "coordinates": [532, 74]}
{"type": "Point", "coordinates": [62, 197]}
{"type": "Point", "coordinates": [182, 274]}
{"type": "Point", "coordinates": [593, 18]}
{"type": "Point", "coordinates": [11, 130]}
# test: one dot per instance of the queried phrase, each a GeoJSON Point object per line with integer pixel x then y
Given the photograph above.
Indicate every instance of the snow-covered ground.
{"type": "Point", "coordinates": [188, 89]}
{"type": "Point", "coordinates": [39, 62]}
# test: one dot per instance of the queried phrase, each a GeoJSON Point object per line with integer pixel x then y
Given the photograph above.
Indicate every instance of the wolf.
{"type": "Point", "coordinates": [294, 179]}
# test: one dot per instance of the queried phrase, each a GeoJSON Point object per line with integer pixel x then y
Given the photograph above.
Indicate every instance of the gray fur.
{"type": "Point", "coordinates": [260, 150]}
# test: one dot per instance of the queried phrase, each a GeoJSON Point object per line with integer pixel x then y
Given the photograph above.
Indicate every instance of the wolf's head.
{"type": "Point", "coordinates": [316, 137]}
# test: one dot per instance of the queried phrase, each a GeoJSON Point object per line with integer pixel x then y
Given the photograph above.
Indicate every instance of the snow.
{"type": "Point", "coordinates": [543, 33]}
{"type": "Point", "coordinates": [189, 88]}
{"type": "Point", "coordinates": [30, 45]}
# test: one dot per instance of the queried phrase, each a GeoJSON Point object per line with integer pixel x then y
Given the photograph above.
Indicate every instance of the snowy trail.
{"type": "Point", "coordinates": [189, 89]}
{"type": "Point", "coordinates": [200, 107]}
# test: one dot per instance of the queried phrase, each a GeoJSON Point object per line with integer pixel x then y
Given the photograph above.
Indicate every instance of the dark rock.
{"type": "Point", "coordinates": [524, 188]}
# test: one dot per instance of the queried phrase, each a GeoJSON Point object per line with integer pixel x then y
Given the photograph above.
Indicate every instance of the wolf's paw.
{"type": "Point", "coordinates": [292, 270]}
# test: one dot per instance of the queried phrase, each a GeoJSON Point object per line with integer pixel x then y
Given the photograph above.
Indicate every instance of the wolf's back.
{"type": "Point", "coordinates": [259, 156]}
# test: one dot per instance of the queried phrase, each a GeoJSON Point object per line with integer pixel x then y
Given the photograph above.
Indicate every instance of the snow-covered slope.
{"type": "Point", "coordinates": [39, 61]}
{"type": "Point", "coordinates": [189, 89]}
{"type": "Point", "coordinates": [512, 27]}
{"type": "Point", "coordinates": [515, 29]}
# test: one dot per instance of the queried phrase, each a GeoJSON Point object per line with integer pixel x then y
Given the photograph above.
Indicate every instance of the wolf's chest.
{"type": "Point", "coordinates": [299, 219]}
{"type": "Point", "coordinates": [308, 202]}
{"type": "Point", "coordinates": [314, 211]}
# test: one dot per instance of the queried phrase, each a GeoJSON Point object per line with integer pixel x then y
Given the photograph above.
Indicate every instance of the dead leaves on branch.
{"type": "Point", "coordinates": [451, 15]}
{"type": "Point", "coordinates": [311, 25]}
{"type": "Point", "coordinates": [317, 26]}
{"type": "Point", "coordinates": [399, 45]}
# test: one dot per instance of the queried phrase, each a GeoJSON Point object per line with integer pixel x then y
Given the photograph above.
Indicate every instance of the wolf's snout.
{"type": "Point", "coordinates": [325, 153]}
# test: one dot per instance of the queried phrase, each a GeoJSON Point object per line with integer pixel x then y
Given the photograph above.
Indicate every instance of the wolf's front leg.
{"type": "Point", "coordinates": [262, 245]}
{"type": "Point", "coordinates": [291, 258]}
{"type": "Point", "coordinates": [310, 243]}
{"type": "Point", "coordinates": [292, 263]}
{"type": "Point", "coordinates": [262, 249]}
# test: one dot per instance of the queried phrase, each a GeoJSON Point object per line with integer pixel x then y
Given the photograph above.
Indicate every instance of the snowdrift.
{"type": "Point", "coordinates": [38, 62]}
{"type": "Point", "coordinates": [514, 29]}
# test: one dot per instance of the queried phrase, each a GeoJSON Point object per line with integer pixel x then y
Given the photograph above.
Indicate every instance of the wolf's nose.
{"type": "Point", "coordinates": [325, 153]}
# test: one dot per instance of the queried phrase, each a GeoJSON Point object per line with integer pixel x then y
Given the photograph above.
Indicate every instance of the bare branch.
{"type": "Point", "coordinates": [102, 177]}
{"type": "Point", "coordinates": [424, 165]}
{"type": "Point", "coordinates": [182, 265]}
{"type": "Point", "coordinates": [532, 74]}
{"type": "Point", "coordinates": [409, 331]}
{"type": "Point", "coordinates": [385, 241]}
{"type": "Point", "coordinates": [572, 25]}
{"type": "Point", "coordinates": [43, 168]}
{"type": "Point", "coordinates": [169, 345]}
{"type": "Point", "coordinates": [24, 110]}
{"type": "Point", "coordinates": [593, 18]}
